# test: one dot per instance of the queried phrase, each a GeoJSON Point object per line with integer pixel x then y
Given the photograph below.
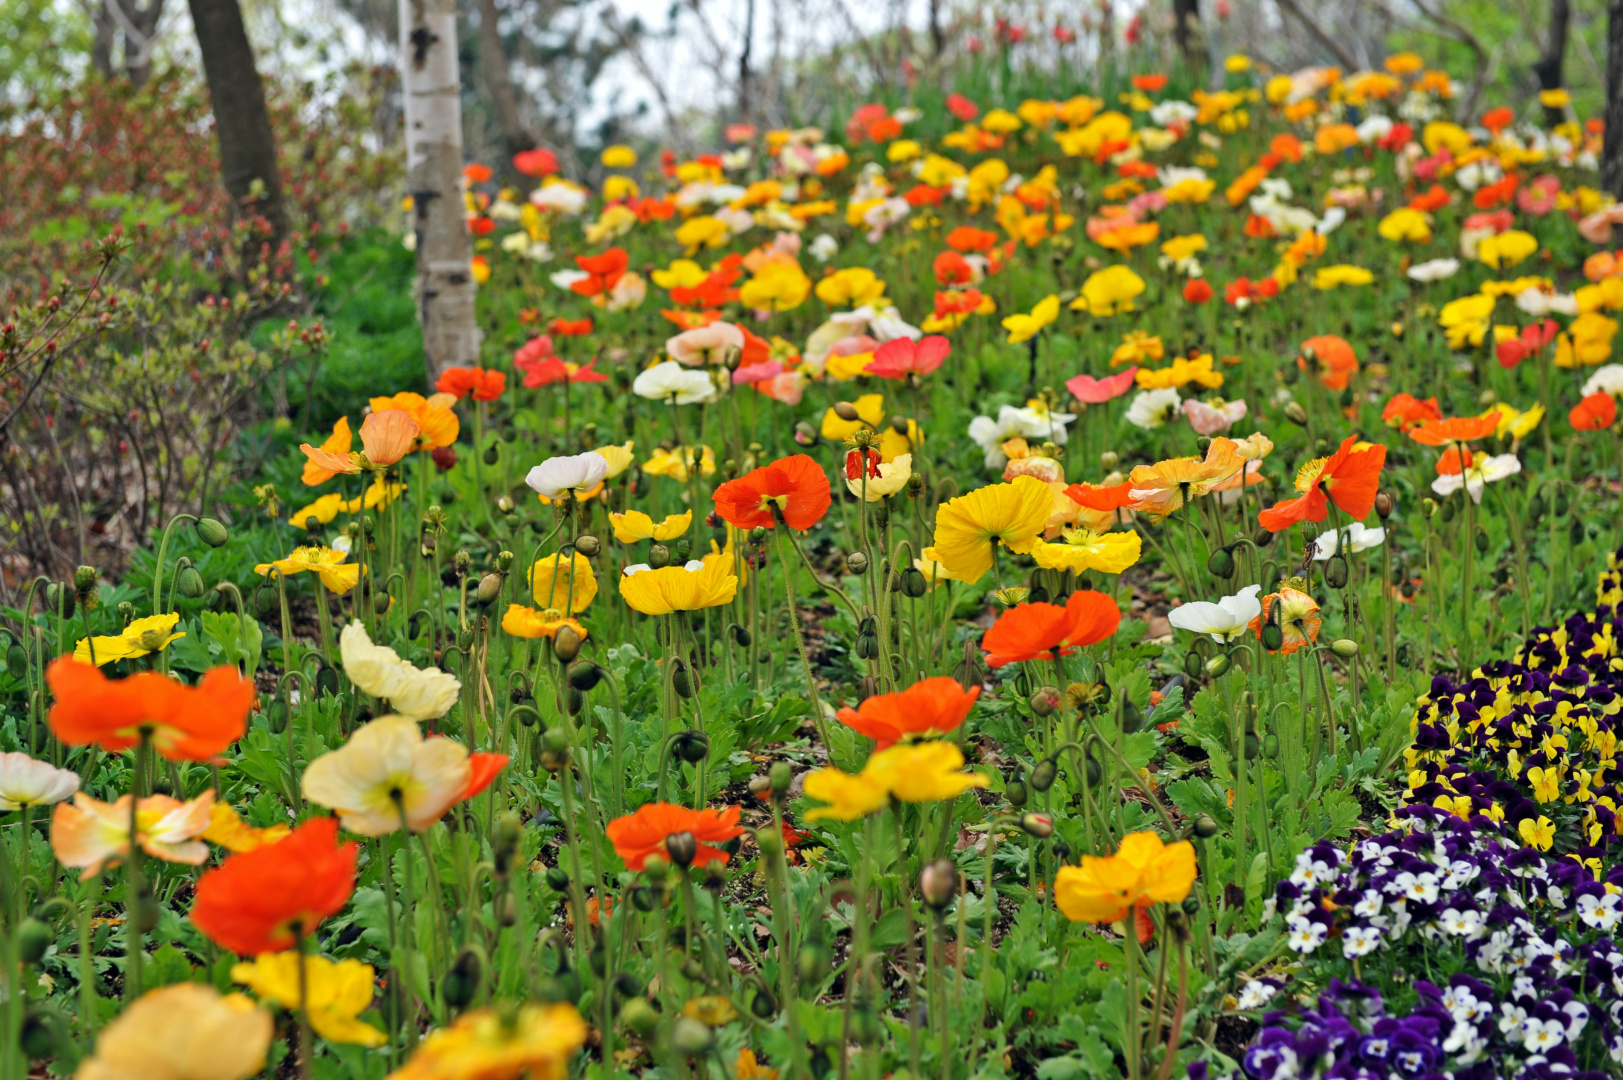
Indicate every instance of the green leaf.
{"type": "Point", "coordinates": [890, 931]}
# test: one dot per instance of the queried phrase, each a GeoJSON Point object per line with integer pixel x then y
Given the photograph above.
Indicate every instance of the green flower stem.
{"type": "Point", "coordinates": [133, 887]}
{"type": "Point", "coordinates": [800, 639]}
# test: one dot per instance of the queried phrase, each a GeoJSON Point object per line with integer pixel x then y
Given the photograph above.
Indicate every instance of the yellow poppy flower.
{"type": "Point", "coordinates": [227, 829]}
{"type": "Point", "coordinates": [780, 286]}
{"type": "Point", "coordinates": [1109, 291]}
{"type": "Point", "coordinates": [870, 413]}
{"type": "Point", "coordinates": [1507, 248]}
{"type": "Point", "coordinates": [618, 456]}
{"type": "Point", "coordinates": [1587, 341]}
{"type": "Point", "coordinates": [533, 1040]}
{"type": "Point", "coordinates": [618, 156]}
{"type": "Point", "coordinates": [566, 586]}
{"type": "Point", "coordinates": [185, 1030]}
{"type": "Point", "coordinates": [528, 622]}
{"type": "Point", "coordinates": [701, 583]}
{"type": "Point", "coordinates": [1329, 277]}
{"type": "Point", "coordinates": [966, 528]}
{"type": "Point", "coordinates": [1465, 321]}
{"type": "Point", "coordinates": [681, 274]}
{"type": "Point", "coordinates": [1180, 248]}
{"type": "Point", "coordinates": [326, 563]}
{"type": "Point", "coordinates": [1109, 553]}
{"type": "Point", "coordinates": [852, 287]}
{"type": "Point", "coordinates": [634, 525]}
{"type": "Point", "coordinates": [320, 512]}
{"type": "Point", "coordinates": [1144, 871]}
{"type": "Point", "coordinates": [1137, 347]}
{"type": "Point", "coordinates": [335, 993]}
{"type": "Point", "coordinates": [385, 771]}
{"type": "Point", "coordinates": [142, 636]}
{"type": "Point", "coordinates": [1025, 327]}
{"type": "Point", "coordinates": [907, 772]}
{"type": "Point", "coordinates": [703, 231]}
{"type": "Point", "coordinates": [1182, 372]}
{"type": "Point", "coordinates": [1406, 225]}
{"type": "Point", "coordinates": [676, 463]}
{"type": "Point", "coordinates": [846, 368]}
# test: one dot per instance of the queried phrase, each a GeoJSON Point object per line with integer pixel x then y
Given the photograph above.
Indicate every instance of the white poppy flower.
{"type": "Point", "coordinates": [27, 782]}
{"type": "Point", "coordinates": [1027, 423]}
{"type": "Point", "coordinates": [565, 279]}
{"type": "Point", "coordinates": [1153, 408]}
{"type": "Point", "coordinates": [563, 198]}
{"type": "Point", "coordinates": [1605, 380]}
{"type": "Point", "coordinates": [668, 380]}
{"type": "Point", "coordinates": [1359, 538]}
{"type": "Point", "coordinates": [1434, 269]}
{"type": "Point", "coordinates": [577, 473]}
{"type": "Point", "coordinates": [705, 344]}
{"type": "Point", "coordinates": [888, 325]}
{"type": "Point", "coordinates": [1482, 471]}
{"type": "Point", "coordinates": [824, 248]}
{"type": "Point", "coordinates": [420, 694]}
{"type": "Point", "coordinates": [1538, 303]}
{"type": "Point", "coordinates": [1225, 620]}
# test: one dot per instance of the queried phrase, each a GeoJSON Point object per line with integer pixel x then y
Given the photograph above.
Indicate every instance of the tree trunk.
{"type": "Point", "coordinates": [515, 136]}
{"type": "Point", "coordinates": [1190, 35]}
{"type": "Point", "coordinates": [1611, 171]}
{"type": "Point", "coordinates": [241, 121]}
{"type": "Point", "coordinates": [746, 77]}
{"type": "Point", "coordinates": [445, 287]}
{"type": "Point", "coordinates": [938, 35]}
{"type": "Point", "coordinates": [140, 38]}
{"type": "Point", "coordinates": [1549, 67]}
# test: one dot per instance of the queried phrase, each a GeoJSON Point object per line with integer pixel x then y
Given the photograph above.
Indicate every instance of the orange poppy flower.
{"type": "Point", "coordinates": [318, 472]}
{"type": "Point", "coordinates": [570, 327]}
{"type": "Point", "coordinates": [637, 836]}
{"type": "Point", "coordinates": [1405, 411]}
{"type": "Point", "coordinates": [1287, 146]}
{"type": "Point", "coordinates": [797, 485]}
{"type": "Point", "coordinates": [1594, 413]}
{"type": "Point", "coordinates": [439, 425]}
{"type": "Point", "coordinates": [1034, 631]}
{"type": "Point", "coordinates": [482, 772]}
{"type": "Point", "coordinates": [388, 436]}
{"type": "Point", "coordinates": [1334, 361]}
{"type": "Point", "coordinates": [476, 173]}
{"type": "Point", "coordinates": [951, 268]}
{"type": "Point", "coordinates": [929, 707]}
{"type": "Point", "coordinates": [1297, 614]}
{"type": "Point", "coordinates": [1164, 487]}
{"type": "Point", "coordinates": [1455, 429]}
{"type": "Point", "coordinates": [1431, 200]}
{"type": "Point", "coordinates": [259, 900]}
{"type": "Point", "coordinates": [1149, 83]}
{"type": "Point", "coordinates": [1100, 498]}
{"type": "Point", "coordinates": [603, 272]}
{"type": "Point", "coordinates": [1496, 120]}
{"type": "Point", "coordinates": [184, 723]}
{"type": "Point", "coordinates": [483, 384]}
{"type": "Point", "coordinates": [1350, 478]}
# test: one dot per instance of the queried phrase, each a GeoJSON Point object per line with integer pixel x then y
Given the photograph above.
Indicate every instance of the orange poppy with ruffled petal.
{"type": "Point", "coordinates": [1035, 631]}
{"type": "Point", "coordinates": [1349, 478]}
{"type": "Point", "coordinates": [1455, 429]}
{"type": "Point", "coordinates": [637, 836]}
{"type": "Point", "coordinates": [388, 436]}
{"type": "Point", "coordinates": [481, 383]}
{"type": "Point", "coordinates": [796, 485]}
{"type": "Point", "coordinates": [929, 707]}
{"type": "Point", "coordinates": [259, 900]}
{"type": "Point", "coordinates": [1101, 498]}
{"type": "Point", "coordinates": [1333, 360]}
{"type": "Point", "coordinates": [1594, 413]}
{"type": "Point", "coordinates": [184, 723]}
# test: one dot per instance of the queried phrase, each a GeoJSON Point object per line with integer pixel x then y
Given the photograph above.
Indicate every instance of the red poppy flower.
{"type": "Point", "coordinates": [481, 225]}
{"type": "Point", "coordinates": [1141, 169]}
{"type": "Point", "coordinates": [476, 173]}
{"type": "Point", "coordinates": [637, 836]}
{"type": "Point", "coordinates": [1498, 119]}
{"type": "Point", "coordinates": [1498, 193]}
{"type": "Point", "coordinates": [1100, 498]}
{"type": "Point", "coordinates": [929, 707]}
{"type": "Point", "coordinates": [901, 357]}
{"type": "Point", "coordinates": [570, 327]}
{"type": "Point", "coordinates": [184, 723]}
{"type": "Point", "coordinates": [1533, 340]}
{"type": "Point", "coordinates": [967, 238]}
{"type": "Point", "coordinates": [483, 384]}
{"type": "Point", "coordinates": [1405, 411]}
{"type": "Point", "coordinates": [482, 772]}
{"type": "Point", "coordinates": [797, 485]}
{"type": "Point", "coordinates": [537, 162]}
{"type": "Point", "coordinates": [603, 271]}
{"type": "Point", "coordinates": [962, 108]}
{"type": "Point", "coordinates": [1349, 478]}
{"type": "Point", "coordinates": [1149, 83]}
{"type": "Point", "coordinates": [1197, 291]}
{"type": "Point", "coordinates": [951, 268]}
{"type": "Point", "coordinates": [545, 372]}
{"type": "Point", "coordinates": [1396, 139]}
{"type": "Point", "coordinates": [1034, 631]}
{"type": "Point", "coordinates": [1455, 429]}
{"type": "Point", "coordinates": [1594, 413]}
{"type": "Point", "coordinates": [256, 901]}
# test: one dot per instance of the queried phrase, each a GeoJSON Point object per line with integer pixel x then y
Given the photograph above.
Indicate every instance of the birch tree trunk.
{"type": "Point", "coordinates": [1611, 165]}
{"type": "Point", "coordinates": [445, 287]}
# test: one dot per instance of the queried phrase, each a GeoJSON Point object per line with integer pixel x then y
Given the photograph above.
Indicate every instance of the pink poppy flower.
{"type": "Point", "coordinates": [1498, 221]}
{"type": "Point", "coordinates": [1538, 198]}
{"type": "Point", "coordinates": [1597, 227]}
{"type": "Point", "coordinates": [1213, 420]}
{"type": "Point", "coordinates": [754, 373]}
{"type": "Point", "coordinates": [786, 388]}
{"type": "Point", "coordinates": [899, 358]}
{"type": "Point", "coordinates": [1091, 391]}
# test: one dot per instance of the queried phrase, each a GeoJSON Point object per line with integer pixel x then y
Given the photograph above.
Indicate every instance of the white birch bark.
{"type": "Point", "coordinates": [432, 88]}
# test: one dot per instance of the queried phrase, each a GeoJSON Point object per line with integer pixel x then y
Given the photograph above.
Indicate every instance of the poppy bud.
{"type": "Point", "coordinates": [763, 1005]}
{"type": "Point", "coordinates": [1205, 826]}
{"type": "Point", "coordinates": [276, 717]}
{"type": "Point", "coordinates": [639, 1017]}
{"type": "Point", "coordinates": [1039, 825]}
{"type": "Point", "coordinates": [628, 985]}
{"type": "Point", "coordinates": [189, 583]}
{"type": "Point", "coordinates": [211, 532]}
{"type": "Point", "coordinates": [1296, 414]}
{"type": "Point", "coordinates": [856, 563]}
{"type": "Point", "coordinates": [1221, 563]}
{"type": "Point", "coordinates": [33, 939]}
{"type": "Point", "coordinates": [741, 636]}
{"type": "Point", "coordinates": [1252, 745]}
{"type": "Point", "coordinates": [913, 583]}
{"type": "Point", "coordinates": [1347, 398]}
{"type": "Point", "coordinates": [326, 682]}
{"type": "Point", "coordinates": [1446, 511]}
{"type": "Point", "coordinates": [805, 434]}
{"type": "Point", "coordinates": [1131, 718]}
{"type": "Point", "coordinates": [1346, 648]}
{"type": "Point", "coordinates": [1219, 665]}
{"type": "Point", "coordinates": [557, 878]}
{"type": "Point", "coordinates": [1385, 504]}
{"type": "Point", "coordinates": [16, 661]}
{"type": "Point", "coordinates": [585, 675]}
{"type": "Point", "coordinates": [381, 602]}
{"type": "Point", "coordinates": [780, 775]}
{"type": "Point", "coordinates": [868, 646]}
{"type": "Point", "coordinates": [812, 961]}
{"type": "Point", "coordinates": [1015, 792]}
{"type": "Point", "coordinates": [682, 550]}
{"type": "Point", "coordinates": [938, 883]}
{"type": "Point", "coordinates": [461, 983]}
{"type": "Point", "coordinates": [691, 746]}
{"type": "Point", "coordinates": [588, 545]}
{"type": "Point", "coordinates": [1481, 540]}
{"type": "Point", "coordinates": [1192, 664]}
{"type": "Point", "coordinates": [505, 504]}
{"type": "Point", "coordinates": [770, 841]}
{"type": "Point", "coordinates": [38, 1038]}
{"type": "Point", "coordinates": [1335, 571]}
{"type": "Point", "coordinates": [60, 600]}
{"type": "Point", "coordinates": [504, 841]}
{"type": "Point", "coordinates": [1262, 538]}
{"type": "Point", "coordinates": [846, 411]}
{"type": "Point", "coordinates": [656, 867]}
{"type": "Point", "coordinates": [1273, 638]}
{"type": "Point", "coordinates": [682, 847]}
{"type": "Point", "coordinates": [659, 556]}
{"type": "Point", "coordinates": [898, 424]}
{"type": "Point", "coordinates": [1560, 503]}
{"type": "Point", "coordinates": [681, 680]}
{"type": "Point", "coordinates": [1270, 746]}
{"type": "Point", "coordinates": [566, 644]}
{"type": "Point", "coordinates": [464, 638]}
{"type": "Point", "coordinates": [1575, 531]}
{"type": "Point", "coordinates": [490, 587]}
{"type": "Point", "coordinates": [1045, 701]}
{"type": "Point", "coordinates": [492, 454]}
{"type": "Point", "coordinates": [1109, 460]}
{"type": "Point", "coordinates": [1091, 769]}
{"type": "Point", "coordinates": [1044, 774]}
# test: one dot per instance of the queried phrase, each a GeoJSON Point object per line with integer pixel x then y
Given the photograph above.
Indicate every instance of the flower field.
{"type": "Point", "coordinates": [1121, 586]}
